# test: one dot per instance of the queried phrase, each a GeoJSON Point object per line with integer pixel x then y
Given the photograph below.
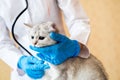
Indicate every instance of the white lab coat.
{"type": "Point", "coordinates": [38, 11]}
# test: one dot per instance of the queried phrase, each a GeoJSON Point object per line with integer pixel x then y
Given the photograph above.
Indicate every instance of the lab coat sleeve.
{"type": "Point", "coordinates": [77, 22]}
{"type": "Point", "coordinates": [8, 51]}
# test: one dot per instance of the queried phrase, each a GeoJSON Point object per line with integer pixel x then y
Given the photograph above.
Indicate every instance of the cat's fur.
{"type": "Point", "coordinates": [72, 69]}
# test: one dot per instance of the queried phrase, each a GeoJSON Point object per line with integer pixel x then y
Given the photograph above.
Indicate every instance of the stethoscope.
{"type": "Point", "coordinates": [14, 26]}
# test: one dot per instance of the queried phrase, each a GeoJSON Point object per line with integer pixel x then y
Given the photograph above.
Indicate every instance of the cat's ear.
{"type": "Point", "coordinates": [28, 25]}
{"type": "Point", "coordinates": [52, 27]}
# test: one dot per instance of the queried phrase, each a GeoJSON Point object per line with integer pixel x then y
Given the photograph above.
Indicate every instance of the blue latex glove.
{"type": "Point", "coordinates": [33, 67]}
{"type": "Point", "coordinates": [59, 52]}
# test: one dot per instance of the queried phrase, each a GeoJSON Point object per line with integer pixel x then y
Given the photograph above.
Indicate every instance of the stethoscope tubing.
{"type": "Point", "coordinates": [13, 26]}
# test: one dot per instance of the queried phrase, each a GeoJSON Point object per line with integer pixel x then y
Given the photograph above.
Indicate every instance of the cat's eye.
{"type": "Point", "coordinates": [41, 38]}
{"type": "Point", "coordinates": [32, 37]}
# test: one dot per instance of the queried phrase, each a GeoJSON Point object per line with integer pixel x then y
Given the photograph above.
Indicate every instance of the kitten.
{"type": "Point", "coordinates": [39, 34]}
{"type": "Point", "coordinates": [72, 69]}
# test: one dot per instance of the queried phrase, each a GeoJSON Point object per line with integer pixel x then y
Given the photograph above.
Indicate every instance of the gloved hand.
{"type": "Point", "coordinates": [59, 52]}
{"type": "Point", "coordinates": [33, 67]}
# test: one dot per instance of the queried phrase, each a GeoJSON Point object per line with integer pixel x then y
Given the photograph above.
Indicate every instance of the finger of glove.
{"type": "Point", "coordinates": [32, 60]}
{"type": "Point", "coordinates": [40, 62]}
{"type": "Point", "coordinates": [41, 56]}
{"type": "Point", "coordinates": [46, 66]}
{"type": "Point", "coordinates": [33, 72]}
{"type": "Point", "coordinates": [33, 67]}
{"type": "Point", "coordinates": [58, 37]}
{"type": "Point", "coordinates": [37, 66]}
{"type": "Point", "coordinates": [39, 49]}
{"type": "Point", "coordinates": [43, 66]}
{"type": "Point", "coordinates": [22, 61]}
{"type": "Point", "coordinates": [35, 75]}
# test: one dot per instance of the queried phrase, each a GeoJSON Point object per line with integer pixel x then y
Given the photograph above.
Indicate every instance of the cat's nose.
{"type": "Point", "coordinates": [35, 42]}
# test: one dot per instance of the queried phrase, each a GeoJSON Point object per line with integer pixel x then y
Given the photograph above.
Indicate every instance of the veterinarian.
{"type": "Point", "coordinates": [25, 67]}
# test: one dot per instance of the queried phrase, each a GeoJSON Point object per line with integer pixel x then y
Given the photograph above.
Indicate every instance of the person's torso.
{"type": "Point", "coordinates": [38, 11]}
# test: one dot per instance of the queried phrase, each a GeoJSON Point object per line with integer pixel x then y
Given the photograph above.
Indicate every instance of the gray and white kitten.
{"type": "Point", "coordinates": [72, 69]}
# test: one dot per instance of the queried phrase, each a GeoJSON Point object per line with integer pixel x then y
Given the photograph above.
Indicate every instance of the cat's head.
{"type": "Point", "coordinates": [39, 34]}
